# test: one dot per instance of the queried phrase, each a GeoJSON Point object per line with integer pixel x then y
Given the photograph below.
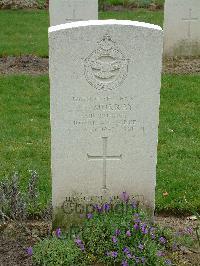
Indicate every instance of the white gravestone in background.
{"type": "Point", "coordinates": [64, 11]}
{"type": "Point", "coordinates": [105, 92]}
{"type": "Point", "coordinates": [182, 28]}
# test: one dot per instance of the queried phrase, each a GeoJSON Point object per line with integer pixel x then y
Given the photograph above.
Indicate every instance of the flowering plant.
{"type": "Point", "coordinates": [113, 234]}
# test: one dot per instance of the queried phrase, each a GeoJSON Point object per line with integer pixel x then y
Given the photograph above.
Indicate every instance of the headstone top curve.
{"type": "Point", "coordinates": [109, 22]}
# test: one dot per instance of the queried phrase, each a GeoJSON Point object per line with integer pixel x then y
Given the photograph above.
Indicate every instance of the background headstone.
{"type": "Point", "coordinates": [182, 28]}
{"type": "Point", "coordinates": [105, 92]}
{"type": "Point", "coordinates": [64, 11]}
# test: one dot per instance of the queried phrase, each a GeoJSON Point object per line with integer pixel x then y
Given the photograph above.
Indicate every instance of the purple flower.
{"type": "Point", "coordinates": [136, 226]}
{"type": "Point", "coordinates": [107, 253]}
{"type": "Point", "coordinates": [117, 232]}
{"type": "Point", "coordinates": [174, 247]}
{"type": "Point", "coordinates": [79, 244]}
{"type": "Point", "coordinates": [89, 215]}
{"type": "Point", "coordinates": [168, 262]}
{"type": "Point", "coordinates": [114, 254]}
{"type": "Point", "coordinates": [152, 229]}
{"type": "Point", "coordinates": [124, 263]}
{"type": "Point", "coordinates": [162, 240]}
{"type": "Point", "coordinates": [128, 233]}
{"type": "Point", "coordinates": [58, 232]}
{"type": "Point", "coordinates": [106, 207]}
{"type": "Point", "coordinates": [137, 260]}
{"type": "Point", "coordinates": [133, 205]}
{"type": "Point", "coordinates": [160, 253]}
{"type": "Point", "coordinates": [144, 229]}
{"type": "Point", "coordinates": [152, 236]}
{"type": "Point", "coordinates": [98, 208]}
{"type": "Point", "coordinates": [78, 241]}
{"type": "Point", "coordinates": [29, 251]}
{"type": "Point", "coordinates": [189, 230]}
{"type": "Point", "coordinates": [129, 256]}
{"type": "Point", "coordinates": [141, 247]}
{"type": "Point", "coordinates": [124, 196]}
{"type": "Point", "coordinates": [114, 240]}
{"type": "Point", "coordinates": [126, 250]}
{"type": "Point", "coordinates": [137, 218]}
{"type": "Point", "coordinates": [143, 260]}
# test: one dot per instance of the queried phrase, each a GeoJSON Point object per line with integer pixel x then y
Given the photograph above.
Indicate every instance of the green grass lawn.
{"type": "Point", "coordinates": [25, 32]}
{"type": "Point", "coordinates": [25, 137]}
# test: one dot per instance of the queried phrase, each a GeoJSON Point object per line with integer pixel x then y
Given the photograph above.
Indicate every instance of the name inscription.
{"type": "Point", "coordinates": [102, 114]}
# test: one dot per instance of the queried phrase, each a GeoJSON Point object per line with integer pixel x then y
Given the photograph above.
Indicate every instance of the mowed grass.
{"type": "Point", "coordinates": [25, 138]}
{"type": "Point", "coordinates": [26, 32]}
{"type": "Point", "coordinates": [25, 130]}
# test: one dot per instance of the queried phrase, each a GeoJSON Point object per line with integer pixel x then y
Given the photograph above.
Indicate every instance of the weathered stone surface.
{"type": "Point", "coordinates": [64, 11]}
{"type": "Point", "coordinates": [105, 94]}
{"type": "Point", "coordinates": [182, 28]}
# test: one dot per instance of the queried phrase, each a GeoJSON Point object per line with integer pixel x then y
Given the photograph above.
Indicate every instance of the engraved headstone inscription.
{"type": "Point", "coordinates": [64, 11]}
{"type": "Point", "coordinates": [182, 28]}
{"type": "Point", "coordinates": [105, 94]}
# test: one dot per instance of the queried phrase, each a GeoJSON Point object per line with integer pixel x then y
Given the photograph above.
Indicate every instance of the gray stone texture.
{"type": "Point", "coordinates": [105, 92]}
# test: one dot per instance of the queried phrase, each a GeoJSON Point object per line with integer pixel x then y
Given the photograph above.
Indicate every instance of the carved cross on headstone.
{"type": "Point", "coordinates": [189, 20]}
{"type": "Point", "coordinates": [104, 158]}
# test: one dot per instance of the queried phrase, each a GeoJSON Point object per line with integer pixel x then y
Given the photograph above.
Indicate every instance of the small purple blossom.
{"type": "Point", "coordinates": [117, 232]}
{"type": "Point", "coordinates": [106, 207]}
{"type": "Point", "coordinates": [160, 253]}
{"type": "Point", "coordinates": [144, 229]}
{"type": "Point", "coordinates": [79, 243]}
{"type": "Point", "coordinates": [174, 247]}
{"type": "Point", "coordinates": [129, 256]}
{"type": "Point", "coordinates": [136, 226]}
{"type": "Point", "coordinates": [137, 260]}
{"type": "Point", "coordinates": [126, 250]}
{"type": "Point", "coordinates": [137, 218]}
{"type": "Point", "coordinates": [189, 230]}
{"type": "Point", "coordinates": [152, 232]}
{"type": "Point", "coordinates": [133, 205]}
{"type": "Point", "coordinates": [98, 208]}
{"type": "Point", "coordinates": [89, 216]}
{"type": "Point", "coordinates": [29, 251]}
{"type": "Point", "coordinates": [82, 247]}
{"type": "Point", "coordinates": [124, 196]}
{"type": "Point", "coordinates": [143, 260]}
{"type": "Point", "coordinates": [162, 240]}
{"type": "Point", "coordinates": [152, 229]}
{"type": "Point", "coordinates": [114, 239]}
{"type": "Point", "coordinates": [141, 247]}
{"type": "Point", "coordinates": [114, 254]}
{"type": "Point", "coordinates": [58, 232]}
{"type": "Point", "coordinates": [124, 263]}
{"type": "Point", "coordinates": [168, 262]}
{"type": "Point", "coordinates": [128, 233]}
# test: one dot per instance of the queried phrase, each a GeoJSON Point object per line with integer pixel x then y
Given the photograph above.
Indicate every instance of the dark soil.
{"type": "Point", "coordinates": [182, 66]}
{"type": "Point", "coordinates": [33, 65]}
{"type": "Point", "coordinates": [24, 65]}
{"type": "Point", "coordinates": [15, 238]}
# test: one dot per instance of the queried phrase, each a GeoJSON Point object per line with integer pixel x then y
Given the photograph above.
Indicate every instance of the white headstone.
{"type": "Point", "coordinates": [182, 28]}
{"type": "Point", "coordinates": [105, 91]}
{"type": "Point", "coordinates": [64, 11]}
